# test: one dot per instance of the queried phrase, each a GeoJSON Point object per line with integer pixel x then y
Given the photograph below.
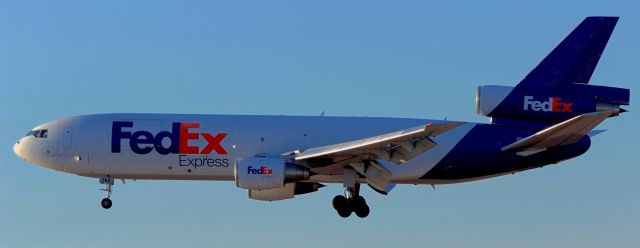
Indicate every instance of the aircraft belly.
{"type": "Point", "coordinates": [479, 155]}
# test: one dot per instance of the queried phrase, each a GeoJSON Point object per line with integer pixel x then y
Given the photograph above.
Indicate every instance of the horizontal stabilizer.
{"type": "Point", "coordinates": [564, 133]}
{"type": "Point", "coordinates": [595, 132]}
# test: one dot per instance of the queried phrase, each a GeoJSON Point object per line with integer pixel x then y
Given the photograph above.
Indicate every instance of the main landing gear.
{"type": "Point", "coordinates": [108, 182]}
{"type": "Point", "coordinates": [351, 201]}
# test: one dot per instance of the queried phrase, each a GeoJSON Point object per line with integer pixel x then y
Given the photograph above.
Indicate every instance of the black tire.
{"type": "Point", "coordinates": [344, 213]}
{"type": "Point", "coordinates": [359, 206]}
{"type": "Point", "coordinates": [341, 205]}
{"type": "Point", "coordinates": [362, 211]}
{"type": "Point", "coordinates": [339, 202]}
{"type": "Point", "coordinates": [106, 203]}
{"type": "Point", "coordinates": [357, 201]}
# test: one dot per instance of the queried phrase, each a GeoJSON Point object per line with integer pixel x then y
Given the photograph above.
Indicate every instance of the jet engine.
{"type": "Point", "coordinates": [267, 173]}
{"type": "Point", "coordinates": [551, 103]}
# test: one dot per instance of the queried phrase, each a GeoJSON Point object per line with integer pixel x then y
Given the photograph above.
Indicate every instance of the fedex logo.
{"type": "Point", "coordinates": [260, 171]}
{"type": "Point", "coordinates": [143, 142]}
{"type": "Point", "coordinates": [555, 104]}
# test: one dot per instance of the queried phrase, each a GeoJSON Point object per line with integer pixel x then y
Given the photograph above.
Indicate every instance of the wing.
{"type": "Point", "coordinates": [360, 155]}
{"type": "Point", "coordinates": [564, 133]}
{"type": "Point", "coordinates": [396, 147]}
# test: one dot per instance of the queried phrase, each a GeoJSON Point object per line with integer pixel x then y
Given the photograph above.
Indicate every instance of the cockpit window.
{"type": "Point", "coordinates": [41, 133]}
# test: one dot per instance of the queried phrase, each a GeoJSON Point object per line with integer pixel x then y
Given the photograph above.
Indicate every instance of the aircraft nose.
{"type": "Point", "coordinates": [17, 149]}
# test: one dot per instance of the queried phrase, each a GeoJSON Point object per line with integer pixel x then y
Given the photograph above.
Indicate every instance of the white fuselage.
{"type": "Point", "coordinates": [83, 145]}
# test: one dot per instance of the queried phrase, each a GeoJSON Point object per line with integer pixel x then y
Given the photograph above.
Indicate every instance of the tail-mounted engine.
{"type": "Point", "coordinates": [548, 103]}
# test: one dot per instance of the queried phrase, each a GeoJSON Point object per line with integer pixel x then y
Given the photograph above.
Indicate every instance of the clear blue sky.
{"type": "Point", "coordinates": [356, 58]}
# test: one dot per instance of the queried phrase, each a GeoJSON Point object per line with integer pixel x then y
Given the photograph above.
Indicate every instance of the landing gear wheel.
{"type": "Point", "coordinates": [108, 183]}
{"type": "Point", "coordinates": [106, 203]}
{"type": "Point", "coordinates": [363, 211]}
{"type": "Point", "coordinates": [359, 206]}
{"type": "Point", "coordinates": [342, 206]}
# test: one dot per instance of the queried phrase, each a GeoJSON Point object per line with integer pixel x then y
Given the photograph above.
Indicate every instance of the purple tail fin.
{"type": "Point", "coordinates": [557, 88]}
{"type": "Point", "coordinates": [575, 58]}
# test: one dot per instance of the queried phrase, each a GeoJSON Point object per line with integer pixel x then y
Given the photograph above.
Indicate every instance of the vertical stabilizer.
{"type": "Point", "coordinates": [576, 57]}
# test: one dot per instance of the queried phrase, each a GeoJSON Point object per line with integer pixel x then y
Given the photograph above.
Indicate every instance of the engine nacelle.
{"type": "Point", "coordinates": [267, 173]}
{"type": "Point", "coordinates": [549, 103]}
{"type": "Point", "coordinates": [287, 192]}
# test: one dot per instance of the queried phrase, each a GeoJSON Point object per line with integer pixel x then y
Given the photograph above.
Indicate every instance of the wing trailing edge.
{"type": "Point", "coordinates": [396, 147]}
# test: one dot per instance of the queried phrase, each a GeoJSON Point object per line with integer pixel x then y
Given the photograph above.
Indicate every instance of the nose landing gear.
{"type": "Point", "coordinates": [108, 182]}
{"type": "Point", "coordinates": [106, 203]}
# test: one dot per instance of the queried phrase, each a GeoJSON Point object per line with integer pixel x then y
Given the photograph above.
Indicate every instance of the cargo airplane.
{"type": "Point", "coordinates": [548, 117]}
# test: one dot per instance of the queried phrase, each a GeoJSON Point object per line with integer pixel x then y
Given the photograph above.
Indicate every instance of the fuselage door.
{"type": "Point", "coordinates": [67, 137]}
